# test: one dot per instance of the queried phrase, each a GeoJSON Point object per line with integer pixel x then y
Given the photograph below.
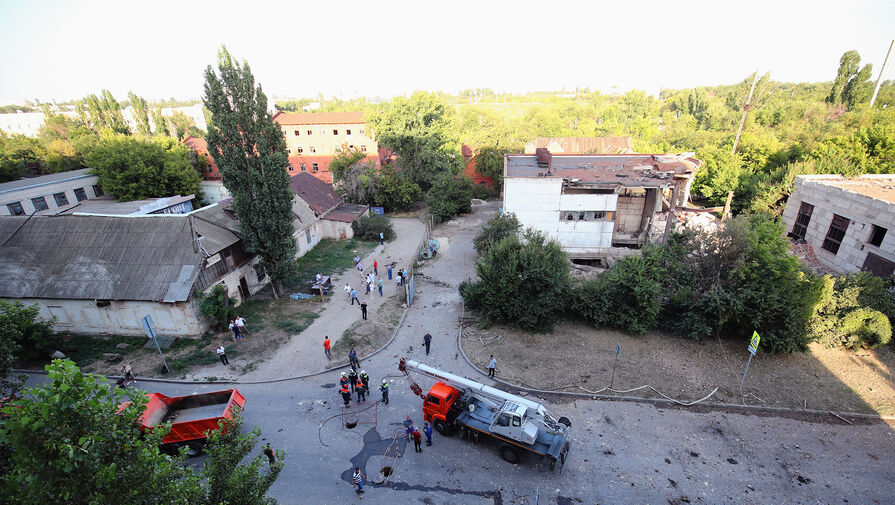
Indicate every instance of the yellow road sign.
{"type": "Point", "coordinates": [753, 344]}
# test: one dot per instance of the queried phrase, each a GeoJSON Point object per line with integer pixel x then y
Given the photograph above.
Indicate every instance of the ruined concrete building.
{"type": "Point", "coordinates": [597, 206]}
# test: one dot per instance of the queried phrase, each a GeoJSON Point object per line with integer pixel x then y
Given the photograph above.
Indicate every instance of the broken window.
{"type": "Point", "coordinates": [877, 234]}
{"type": "Point", "coordinates": [802, 220]}
{"type": "Point", "coordinates": [836, 233]}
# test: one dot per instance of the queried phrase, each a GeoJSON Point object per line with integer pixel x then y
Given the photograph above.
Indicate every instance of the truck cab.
{"type": "Point", "coordinates": [438, 403]}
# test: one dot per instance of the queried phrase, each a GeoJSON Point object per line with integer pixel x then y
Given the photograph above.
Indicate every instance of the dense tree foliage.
{"type": "Point", "coordinates": [216, 306]}
{"type": "Point", "coordinates": [369, 228]}
{"type": "Point", "coordinates": [67, 442]}
{"type": "Point", "coordinates": [523, 281]}
{"type": "Point", "coordinates": [495, 230]}
{"type": "Point", "coordinates": [450, 195]}
{"type": "Point", "coordinates": [250, 152]}
{"type": "Point", "coordinates": [358, 181]}
{"type": "Point", "coordinates": [132, 168]}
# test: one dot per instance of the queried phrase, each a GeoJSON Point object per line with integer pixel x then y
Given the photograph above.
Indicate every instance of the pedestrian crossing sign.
{"type": "Point", "coordinates": [753, 344]}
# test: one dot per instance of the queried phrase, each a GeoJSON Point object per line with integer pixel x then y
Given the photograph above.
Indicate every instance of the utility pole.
{"type": "Point", "coordinates": [745, 111]}
{"type": "Point", "coordinates": [879, 79]}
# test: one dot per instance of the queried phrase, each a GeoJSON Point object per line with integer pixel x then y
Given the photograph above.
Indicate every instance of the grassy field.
{"type": "Point", "coordinates": [327, 257]}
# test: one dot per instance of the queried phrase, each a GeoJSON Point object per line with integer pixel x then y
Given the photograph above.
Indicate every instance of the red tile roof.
{"type": "Point", "coordinates": [319, 195]}
{"type": "Point", "coordinates": [296, 118]}
{"type": "Point", "coordinates": [196, 143]}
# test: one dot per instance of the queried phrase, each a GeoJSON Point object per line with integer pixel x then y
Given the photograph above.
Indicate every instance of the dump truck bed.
{"type": "Point", "coordinates": [191, 416]}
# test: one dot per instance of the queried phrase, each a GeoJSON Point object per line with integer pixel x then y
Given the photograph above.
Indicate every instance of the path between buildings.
{"type": "Point", "coordinates": [303, 353]}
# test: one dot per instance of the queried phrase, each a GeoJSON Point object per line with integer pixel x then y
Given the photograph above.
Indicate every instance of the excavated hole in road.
{"type": "Point", "coordinates": [351, 423]}
{"type": "Point", "coordinates": [386, 471]}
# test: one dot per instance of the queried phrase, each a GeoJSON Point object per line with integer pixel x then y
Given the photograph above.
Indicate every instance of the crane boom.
{"type": "Point", "coordinates": [463, 383]}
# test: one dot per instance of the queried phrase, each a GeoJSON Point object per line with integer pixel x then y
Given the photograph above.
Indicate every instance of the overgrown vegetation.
{"type": "Point", "coordinates": [369, 228]}
{"type": "Point", "coordinates": [496, 229]}
{"type": "Point", "coordinates": [328, 257]}
{"type": "Point", "coordinates": [216, 306]}
{"type": "Point", "coordinates": [449, 196]}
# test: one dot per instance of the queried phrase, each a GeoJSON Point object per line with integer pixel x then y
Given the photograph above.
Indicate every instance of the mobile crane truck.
{"type": "Point", "coordinates": [521, 426]}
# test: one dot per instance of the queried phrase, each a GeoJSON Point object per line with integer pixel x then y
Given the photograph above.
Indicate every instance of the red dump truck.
{"type": "Point", "coordinates": [191, 416]}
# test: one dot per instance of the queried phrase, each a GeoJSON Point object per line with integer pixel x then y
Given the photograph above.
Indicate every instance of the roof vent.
{"type": "Point", "coordinates": [544, 158]}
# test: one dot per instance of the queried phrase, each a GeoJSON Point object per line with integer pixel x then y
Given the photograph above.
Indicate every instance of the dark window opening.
{"type": "Point", "coordinates": [40, 203]}
{"type": "Point", "coordinates": [802, 220]}
{"type": "Point", "coordinates": [15, 209]}
{"type": "Point", "coordinates": [80, 194]}
{"type": "Point", "coordinates": [314, 167]}
{"type": "Point", "coordinates": [303, 168]}
{"type": "Point", "coordinates": [310, 132]}
{"type": "Point", "coordinates": [335, 132]}
{"type": "Point", "coordinates": [297, 133]}
{"type": "Point", "coordinates": [433, 400]}
{"type": "Point", "coordinates": [877, 234]}
{"type": "Point", "coordinates": [97, 191]}
{"type": "Point", "coordinates": [347, 132]}
{"type": "Point", "coordinates": [836, 233]}
{"type": "Point", "coordinates": [61, 199]}
{"type": "Point", "coordinates": [299, 150]}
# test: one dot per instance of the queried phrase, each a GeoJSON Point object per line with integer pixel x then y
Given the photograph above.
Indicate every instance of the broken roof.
{"type": "Point", "coordinates": [876, 186]}
{"type": "Point", "coordinates": [319, 195]}
{"type": "Point", "coordinates": [315, 118]}
{"type": "Point", "coordinates": [346, 212]}
{"type": "Point", "coordinates": [114, 207]}
{"type": "Point", "coordinates": [628, 170]}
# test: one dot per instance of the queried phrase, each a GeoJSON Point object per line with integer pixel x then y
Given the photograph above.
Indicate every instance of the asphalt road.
{"type": "Point", "coordinates": [622, 452]}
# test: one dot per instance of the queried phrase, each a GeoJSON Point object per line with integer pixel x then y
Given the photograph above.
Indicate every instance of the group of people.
{"type": "Point", "coordinates": [413, 433]}
{"type": "Point", "coordinates": [358, 382]}
{"type": "Point", "coordinates": [238, 327]}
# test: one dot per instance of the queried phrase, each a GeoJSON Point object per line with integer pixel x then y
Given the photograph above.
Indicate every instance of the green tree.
{"type": "Point", "coordinates": [450, 195]}
{"type": "Point", "coordinates": [495, 230]}
{"type": "Point", "coordinates": [625, 297]}
{"type": "Point", "coordinates": [141, 113]}
{"type": "Point", "coordinates": [69, 444]}
{"type": "Point", "coordinates": [104, 111]}
{"type": "Point", "coordinates": [249, 150]}
{"type": "Point", "coordinates": [19, 155]}
{"type": "Point", "coordinates": [859, 88]}
{"type": "Point", "coordinates": [160, 122]}
{"type": "Point", "coordinates": [393, 190]}
{"type": "Point", "coordinates": [852, 83]}
{"type": "Point", "coordinates": [524, 282]}
{"type": "Point", "coordinates": [216, 306]}
{"type": "Point", "coordinates": [421, 130]}
{"type": "Point", "coordinates": [184, 125]}
{"type": "Point", "coordinates": [489, 162]}
{"type": "Point", "coordinates": [343, 162]}
{"type": "Point", "coordinates": [134, 168]}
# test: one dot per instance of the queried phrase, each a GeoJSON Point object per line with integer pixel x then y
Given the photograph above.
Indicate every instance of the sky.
{"type": "Point", "coordinates": [61, 50]}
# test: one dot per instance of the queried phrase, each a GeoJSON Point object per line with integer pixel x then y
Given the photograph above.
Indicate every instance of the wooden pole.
{"type": "Point", "coordinates": [880, 78]}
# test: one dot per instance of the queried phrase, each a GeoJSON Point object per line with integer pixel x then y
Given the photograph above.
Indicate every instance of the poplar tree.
{"type": "Point", "coordinates": [250, 152]}
{"type": "Point", "coordinates": [141, 113]}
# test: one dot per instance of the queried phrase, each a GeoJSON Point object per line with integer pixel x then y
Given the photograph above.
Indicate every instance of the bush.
{"type": "Point", "coordinates": [483, 192]}
{"type": "Point", "coordinates": [216, 307]}
{"type": "Point", "coordinates": [853, 311]}
{"type": "Point", "coordinates": [369, 228]}
{"type": "Point", "coordinates": [450, 196]}
{"type": "Point", "coordinates": [524, 282]}
{"type": "Point", "coordinates": [625, 297]}
{"type": "Point", "coordinates": [496, 229]}
{"type": "Point", "coordinates": [24, 333]}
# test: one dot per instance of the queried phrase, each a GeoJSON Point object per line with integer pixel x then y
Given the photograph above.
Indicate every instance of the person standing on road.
{"type": "Point", "coordinates": [347, 289]}
{"type": "Point", "coordinates": [352, 359]}
{"type": "Point", "coordinates": [237, 335]}
{"type": "Point", "coordinates": [354, 296]}
{"type": "Point", "coordinates": [427, 341]}
{"type": "Point", "coordinates": [326, 348]}
{"type": "Point", "coordinates": [375, 267]}
{"type": "Point", "coordinates": [380, 286]}
{"type": "Point", "coordinates": [492, 364]}
{"type": "Point", "coordinates": [381, 238]}
{"type": "Point", "coordinates": [366, 378]}
{"type": "Point", "coordinates": [358, 480]}
{"type": "Point", "coordinates": [389, 272]}
{"type": "Point", "coordinates": [222, 353]}
{"type": "Point", "coordinates": [352, 378]}
{"type": "Point", "coordinates": [346, 395]}
{"type": "Point", "coordinates": [241, 324]}
{"type": "Point", "coordinates": [384, 389]}
{"type": "Point", "coordinates": [343, 380]}
{"type": "Point", "coordinates": [363, 309]}
{"type": "Point", "coordinates": [271, 459]}
{"type": "Point", "coordinates": [408, 427]}
{"type": "Point", "coordinates": [427, 429]}
{"type": "Point", "coordinates": [417, 440]}
{"type": "Point", "coordinates": [361, 389]}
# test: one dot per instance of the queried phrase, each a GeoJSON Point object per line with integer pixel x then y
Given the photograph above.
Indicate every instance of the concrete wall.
{"type": "Point", "coordinates": [122, 317]}
{"type": "Point", "coordinates": [47, 191]}
{"type": "Point", "coordinates": [247, 270]}
{"type": "Point", "coordinates": [535, 201]}
{"type": "Point", "coordinates": [862, 212]}
{"type": "Point", "coordinates": [213, 191]}
{"type": "Point", "coordinates": [336, 229]}
{"type": "Point", "coordinates": [302, 242]}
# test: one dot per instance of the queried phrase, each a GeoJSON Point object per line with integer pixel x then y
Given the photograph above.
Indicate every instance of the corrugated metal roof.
{"type": "Point", "coordinates": [45, 179]}
{"type": "Point", "coordinates": [311, 118]}
{"type": "Point", "coordinates": [97, 257]}
{"type": "Point", "coordinates": [346, 212]}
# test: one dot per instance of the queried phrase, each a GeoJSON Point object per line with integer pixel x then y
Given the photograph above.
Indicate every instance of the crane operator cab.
{"type": "Point", "coordinates": [511, 421]}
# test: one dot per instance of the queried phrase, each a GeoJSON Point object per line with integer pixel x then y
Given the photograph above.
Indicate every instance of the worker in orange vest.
{"type": "Point", "coordinates": [361, 389]}
{"type": "Point", "coordinates": [346, 395]}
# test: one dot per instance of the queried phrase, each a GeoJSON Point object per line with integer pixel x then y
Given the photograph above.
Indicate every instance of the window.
{"type": "Point", "coordinates": [98, 191]}
{"type": "Point", "coordinates": [433, 400]}
{"type": "Point", "coordinates": [15, 209]}
{"type": "Point", "coordinates": [288, 151]}
{"type": "Point", "coordinates": [299, 150]}
{"type": "Point", "coordinates": [836, 233]}
{"type": "Point", "coordinates": [347, 132]}
{"type": "Point", "coordinates": [310, 132]}
{"type": "Point", "coordinates": [312, 149]}
{"type": "Point", "coordinates": [291, 168]}
{"type": "Point", "coordinates": [583, 215]}
{"type": "Point", "coordinates": [308, 235]}
{"type": "Point", "coordinates": [877, 234]}
{"type": "Point", "coordinates": [259, 272]}
{"type": "Point", "coordinates": [313, 167]}
{"type": "Point", "coordinates": [209, 170]}
{"type": "Point", "coordinates": [61, 199]}
{"type": "Point", "coordinates": [350, 147]}
{"type": "Point", "coordinates": [363, 149]}
{"type": "Point", "coordinates": [335, 132]}
{"type": "Point", "coordinates": [361, 131]}
{"type": "Point", "coordinates": [517, 421]}
{"type": "Point", "coordinates": [80, 194]}
{"type": "Point", "coordinates": [303, 168]}
{"type": "Point", "coordinates": [802, 220]}
{"type": "Point", "coordinates": [503, 420]}
{"type": "Point", "coordinates": [40, 203]}
{"type": "Point", "coordinates": [297, 133]}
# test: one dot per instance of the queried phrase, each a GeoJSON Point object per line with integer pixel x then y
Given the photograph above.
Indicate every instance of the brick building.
{"type": "Point", "coordinates": [312, 139]}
